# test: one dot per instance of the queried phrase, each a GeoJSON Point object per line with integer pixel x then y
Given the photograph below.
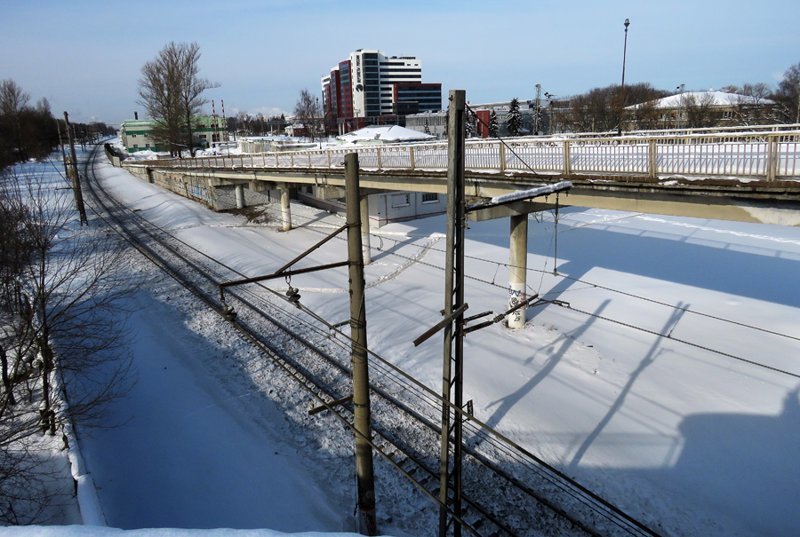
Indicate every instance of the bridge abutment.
{"type": "Point", "coordinates": [517, 268]}
{"type": "Point", "coordinates": [286, 208]}
{"type": "Point", "coordinates": [240, 204]}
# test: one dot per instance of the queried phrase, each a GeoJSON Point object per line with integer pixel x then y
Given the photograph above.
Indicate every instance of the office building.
{"type": "Point", "coordinates": [369, 87]}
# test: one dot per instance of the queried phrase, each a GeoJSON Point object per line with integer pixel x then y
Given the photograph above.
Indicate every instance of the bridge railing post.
{"type": "Point", "coordinates": [772, 157]}
{"type": "Point", "coordinates": [567, 166]}
{"type": "Point", "coordinates": [652, 159]}
{"type": "Point", "coordinates": [501, 153]}
{"type": "Point", "coordinates": [411, 158]}
{"type": "Point", "coordinates": [378, 157]}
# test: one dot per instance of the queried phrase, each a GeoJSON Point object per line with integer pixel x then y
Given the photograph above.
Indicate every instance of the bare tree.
{"type": "Point", "coordinates": [309, 113]}
{"type": "Point", "coordinates": [159, 94]}
{"type": "Point", "coordinates": [58, 342]}
{"type": "Point", "coordinates": [647, 115]}
{"type": "Point", "coordinates": [13, 100]}
{"type": "Point", "coordinates": [698, 110]}
{"type": "Point", "coordinates": [171, 91]}
{"type": "Point", "coordinates": [602, 109]}
{"type": "Point", "coordinates": [788, 94]}
{"type": "Point", "coordinates": [753, 106]}
{"type": "Point", "coordinates": [191, 86]}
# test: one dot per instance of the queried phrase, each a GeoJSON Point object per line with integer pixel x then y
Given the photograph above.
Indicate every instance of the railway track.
{"type": "Point", "coordinates": [507, 491]}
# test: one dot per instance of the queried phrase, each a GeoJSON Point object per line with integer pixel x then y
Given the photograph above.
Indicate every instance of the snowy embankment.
{"type": "Point", "coordinates": [669, 385]}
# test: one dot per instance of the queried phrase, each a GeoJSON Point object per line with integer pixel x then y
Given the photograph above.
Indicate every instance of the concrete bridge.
{"type": "Point", "coordinates": [741, 176]}
{"type": "Point", "coordinates": [751, 177]}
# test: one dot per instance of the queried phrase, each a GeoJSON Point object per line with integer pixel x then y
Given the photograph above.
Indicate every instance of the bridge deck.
{"type": "Point", "coordinates": [720, 175]}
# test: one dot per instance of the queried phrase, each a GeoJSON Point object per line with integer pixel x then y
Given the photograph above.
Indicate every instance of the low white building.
{"type": "Point", "coordinates": [384, 134]}
{"type": "Point", "coordinates": [693, 109]}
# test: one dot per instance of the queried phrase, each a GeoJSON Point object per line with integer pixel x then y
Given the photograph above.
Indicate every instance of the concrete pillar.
{"type": "Point", "coordinates": [286, 209]}
{"type": "Point", "coordinates": [240, 196]}
{"type": "Point", "coordinates": [364, 206]}
{"type": "Point", "coordinates": [517, 270]}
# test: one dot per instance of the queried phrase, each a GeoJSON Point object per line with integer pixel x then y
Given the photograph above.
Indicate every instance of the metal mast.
{"type": "Point", "coordinates": [367, 523]}
{"type": "Point", "coordinates": [452, 364]}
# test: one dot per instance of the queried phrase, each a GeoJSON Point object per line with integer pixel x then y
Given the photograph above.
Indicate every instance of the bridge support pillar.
{"type": "Point", "coordinates": [286, 209]}
{"type": "Point", "coordinates": [365, 247]}
{"type": "Point", "coordinates": [240, 196]}
{"type": "Point", "coordinates": [517, 269]}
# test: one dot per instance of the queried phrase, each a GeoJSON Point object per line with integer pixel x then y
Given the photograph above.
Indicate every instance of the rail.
{"type": "Point", "coordinates": [766, 156]}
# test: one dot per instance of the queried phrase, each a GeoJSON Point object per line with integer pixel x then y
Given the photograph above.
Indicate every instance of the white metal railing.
{"type": "Point", "coordinates": [766, 155]}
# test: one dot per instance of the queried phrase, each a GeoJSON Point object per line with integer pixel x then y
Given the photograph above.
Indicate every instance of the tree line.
{"type": "Point", "coordinates": [256, 124]}
{"type": "Point", "coordinates": [29, 131]}
{"type": "Point", "coordinates": [604, 108]}
{"type": "Point", "coordinates": [61, 357]}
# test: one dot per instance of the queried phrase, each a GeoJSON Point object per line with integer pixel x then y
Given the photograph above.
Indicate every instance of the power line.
{"type": "Point", "coordinates": [624, 293]}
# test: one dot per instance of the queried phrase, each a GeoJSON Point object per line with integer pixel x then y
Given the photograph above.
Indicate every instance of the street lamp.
{"type": "Point", "coordinates": [552, 124]}
{"type": "Point", "coordinates": [624, 55]}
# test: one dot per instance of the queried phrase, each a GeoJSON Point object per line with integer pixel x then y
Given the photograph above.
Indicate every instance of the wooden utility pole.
{"type": "Point", "coordinates": [76, 178]}
{"type": "Point", "coordinates": [452, 361]}
{"type": "Point", "coordinates": [67, 173]}
{"type": "Point", "coordinates": [367, 523]}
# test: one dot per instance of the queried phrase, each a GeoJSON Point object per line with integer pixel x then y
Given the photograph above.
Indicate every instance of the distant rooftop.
{"type": "Point", "coordinates": [714, 98]}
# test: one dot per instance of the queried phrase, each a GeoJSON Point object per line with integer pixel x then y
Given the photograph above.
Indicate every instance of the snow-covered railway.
{"type": "Point", "coordinates": [508, 491]}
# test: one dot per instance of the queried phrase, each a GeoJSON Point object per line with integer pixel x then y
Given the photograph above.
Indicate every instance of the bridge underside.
{"type": "Point", "coordinates": [771, 202]}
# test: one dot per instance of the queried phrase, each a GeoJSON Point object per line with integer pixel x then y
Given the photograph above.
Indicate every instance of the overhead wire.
{"type": "Point", "coordinates": [624, 293]}
{"type": "Point", "coordinates": [397, 375]}
{"type": "Point", "coordinates": [502, 141]}
{"type": "Point", "coordinates": [555, 272]}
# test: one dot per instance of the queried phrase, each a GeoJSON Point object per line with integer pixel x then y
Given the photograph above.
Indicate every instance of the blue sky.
{"type": "Point", "coordinates": [85, 56]}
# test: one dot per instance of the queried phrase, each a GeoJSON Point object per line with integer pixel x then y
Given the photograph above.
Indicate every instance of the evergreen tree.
{"type": "Point", "coordinates": [470, 123]}
{"type": "Point", "coordinates": [514, 120]}
{"type": "Point", "coordinates": [493, 124]}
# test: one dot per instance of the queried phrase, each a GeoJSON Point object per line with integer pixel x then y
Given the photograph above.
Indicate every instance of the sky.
{"type": "Point", "coordinates": [85, 56]}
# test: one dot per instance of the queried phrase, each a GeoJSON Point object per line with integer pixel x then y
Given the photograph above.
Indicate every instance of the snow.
{"type": "Point", "coordinates": [644, 388]}
{"type": "Point", "coordinates": [385, 133]}
{"type": "Point", "coordinates": [714, 98]}
{"type": "Point", "coordinates": [532, 192]}
{"type": "Point", "coordinates": [172, 444]}
{"type": "Point", "coordinates": [145, 154]}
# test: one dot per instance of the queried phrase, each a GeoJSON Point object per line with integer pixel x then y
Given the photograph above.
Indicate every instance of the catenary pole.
{"type": "Point", "coordinates": [367, 523]}
{"type": "Point", "coordinates": [453, 351]}
{"type": "Point", "coordinates": [67, 173]}
{"type": "Point", "coordinates": [76, 178]}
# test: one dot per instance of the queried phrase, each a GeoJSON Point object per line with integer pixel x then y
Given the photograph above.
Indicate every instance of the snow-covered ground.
{"type": "Point", "coordinates": [647, 389]}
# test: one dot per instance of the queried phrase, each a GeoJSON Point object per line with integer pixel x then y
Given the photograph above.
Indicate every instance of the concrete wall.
{"type": "Point", "coordinates": [211, 192]}
{"type": "Point", "coordinates": [220, 195]}
{"type": "Point", "coordinates": [225, 197]}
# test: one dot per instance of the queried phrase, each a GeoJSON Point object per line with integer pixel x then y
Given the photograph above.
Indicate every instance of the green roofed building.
{"type": "Point", "coordinates": [137, 134]}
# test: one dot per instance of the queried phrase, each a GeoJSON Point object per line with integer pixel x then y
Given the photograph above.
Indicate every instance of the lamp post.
{"type": "Point", "coordinates": [552, 124]}
{"type": "Point", "coordinates": [624, 55]}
